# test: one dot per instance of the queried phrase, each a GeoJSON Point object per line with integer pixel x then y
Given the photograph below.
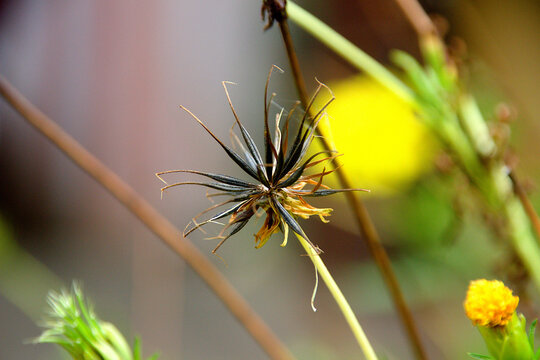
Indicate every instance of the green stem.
{"type": "Point", "coordinates": [501, 189]}
{"type": "Point", "coordinates": [494, 183]}
{"type": "Point", "coordinates": [348, 51]}
{"type": "Point", "coordinates": [340, 299]}
{"type": "Point", "coordinates": [522, 238]}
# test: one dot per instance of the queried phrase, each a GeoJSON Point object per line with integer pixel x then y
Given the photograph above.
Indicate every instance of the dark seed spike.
{"type": "Point", "coordinates": [234, 156]}
{"type": "Point", "coordinates": [309, 134]}
{"type": "Point", "coordinates": [291, 160]}
{"type": "Point", "coordinates": [254, 152]}
{"type": "Point", "coordinates": [306, 113]}
{"type": "Point", "coordinates": [218, 177]}
{"type": "Point", "coordinates": [277, 143]}
{"type": "Point", "coordinates": [284, 142]}
{"type": "Point", "coordinates": [317, 117]}
{"type": "Point", "coordinates": [248, 157]}
{"type": "Point", "coordinates": [246, 214]}
{"type": "Point", "coordinates": [286, 128]}
{"type": "Point", "coordinates": [235, 229]}
{"type": "Point", "coordinates": [329, 158]}
{"type": "Point", "coordinates": [294, 155]}
{"type": "Point", "coordinates": [214, 218]}
{"type": "Point", "coordinates": [217, 186]}
{"type": "Point", "coordinates": [289, 220]}
{"type": "Point", "coordinates": [267, 140]}
{"type": "Point", "coordinates": [319, 184]}
{"type": "Point", "coordinates": [298, 172]}
{"type": "Point", "coordinates": [266, 90]}
{"type": "Point", "coordinates": [327, 192]}
{"type": "Point", "coordinates": [270, 148]}
{"type": "Point", "coordinates": [238, 196]}
{"type": "Point", "coordinates": [277, 133]}
{"type": "Point", "coordinates": [332, 98]}
{"type": "Point", "coordinates": [234, 199]}
{"type": "Point", "coordinates": [215, 206]}
{"type": "Point", "coordinates": [239, 221]}
{"type": "Point", "coordinates": [323, 173]}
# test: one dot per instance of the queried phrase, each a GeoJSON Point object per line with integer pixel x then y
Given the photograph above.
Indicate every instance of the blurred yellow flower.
{"type": "Point", "coordinates": [490, 303]}
{"type": "Point", "coordinates": [385, 147]}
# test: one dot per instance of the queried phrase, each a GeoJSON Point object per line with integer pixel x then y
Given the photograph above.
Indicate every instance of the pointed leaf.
{"type": "Point", "coordinates": [480, 357]}
{"type": "Point", "coordinates": [137, 352]}
{"type": "Point", "coordinates": [531, 332]}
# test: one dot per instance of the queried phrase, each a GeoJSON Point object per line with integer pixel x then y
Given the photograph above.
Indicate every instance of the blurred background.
{"type": "Point", "coordinates": [112, 74]}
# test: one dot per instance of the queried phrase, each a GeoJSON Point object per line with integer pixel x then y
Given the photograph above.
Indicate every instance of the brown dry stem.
{"type": "Point", "coordinates": [149, 216]}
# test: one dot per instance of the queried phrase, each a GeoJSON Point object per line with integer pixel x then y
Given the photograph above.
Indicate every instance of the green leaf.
{"type": "Point", "coordinates": [137, 352]}
{"type": "Point", "coordinates": [73, 325]}
{"type": "Point", "coordinates": [480, 357]}
{"type": "Point", "coordinates": [532, 329]}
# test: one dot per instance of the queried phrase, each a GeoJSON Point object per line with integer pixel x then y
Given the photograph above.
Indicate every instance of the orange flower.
{"type": "Point", "coordinates": [490, 303]}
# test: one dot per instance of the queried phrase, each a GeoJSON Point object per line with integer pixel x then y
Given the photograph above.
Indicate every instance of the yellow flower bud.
{"type": "Point", "coordinates": [490, 303]}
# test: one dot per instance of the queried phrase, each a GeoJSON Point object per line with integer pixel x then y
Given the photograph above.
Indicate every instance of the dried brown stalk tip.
{"type": "Point", "coordinates": [275, 9]}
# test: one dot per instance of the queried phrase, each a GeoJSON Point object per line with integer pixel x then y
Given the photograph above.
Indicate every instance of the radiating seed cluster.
{"type": "Point", "coordinates": [278, 184]}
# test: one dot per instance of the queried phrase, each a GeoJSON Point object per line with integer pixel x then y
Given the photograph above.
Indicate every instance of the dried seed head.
{"type": "Point", "coordinates": [280, 184]}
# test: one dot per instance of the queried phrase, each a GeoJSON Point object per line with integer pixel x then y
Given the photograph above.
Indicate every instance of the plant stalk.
{"type": "Point", "coordinates": [489, 181]}
{"type": "Point", "coordinates": [149, 216]}
{"type": "Point", "coordinates": [340, 299]}
{"type": "Point", "coordinates": [364, 222]}
{"type": "Point", "coordinates": [527, 205]}
{"type": "Point", "coordinates": [417, 17]}
{"type": "Point", "coordinates": [348, 51]}
{"type": "Point", "coordinates": [512, 200]}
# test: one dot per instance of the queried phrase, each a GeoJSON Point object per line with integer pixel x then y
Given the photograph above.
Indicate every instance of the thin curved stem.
{"type": "Point", "coordinates": [340, 299]}
{"type": "Point", "coordinates": [149, 216]}
{"type": "Point", "coordinates": [527, 205]}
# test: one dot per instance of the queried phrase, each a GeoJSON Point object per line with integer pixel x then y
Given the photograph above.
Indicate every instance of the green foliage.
{"type": "Point", "coordinates": [437, 93]}
{"type": "Point", "coordinates": [74, 326]}
{"type": "Point", "coordinates": [511, 342]}
{"type": "Point", "coordinates": [532, 330]}
{"type": "Point", "coordinates": [480, 357]}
